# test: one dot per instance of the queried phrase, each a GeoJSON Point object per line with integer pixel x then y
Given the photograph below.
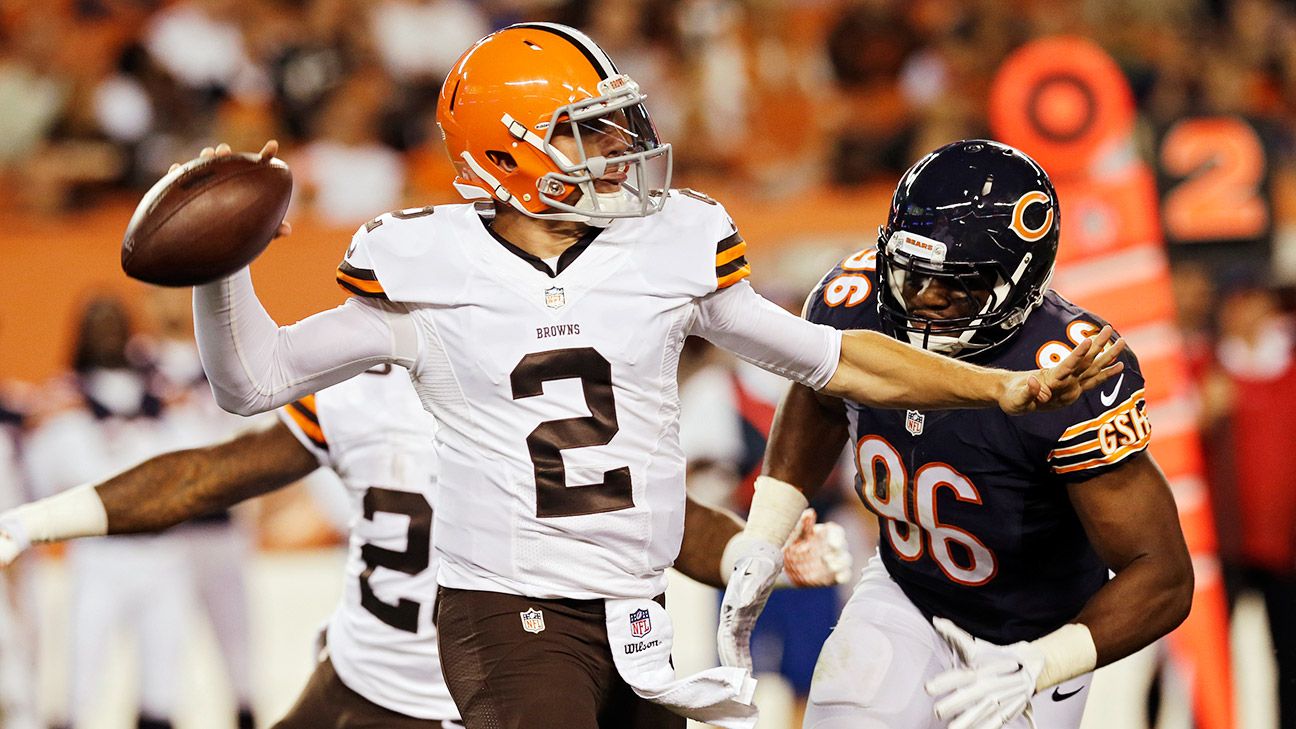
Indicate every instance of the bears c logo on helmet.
{"type": "Point", "coordinates": [1018, 223]}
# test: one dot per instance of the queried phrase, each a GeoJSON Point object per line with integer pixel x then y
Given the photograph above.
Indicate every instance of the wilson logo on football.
{"type": "Point", "coordinates": [1020, 207]}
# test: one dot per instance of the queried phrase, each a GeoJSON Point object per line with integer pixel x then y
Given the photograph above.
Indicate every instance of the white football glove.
{"type": "Point", "coordinates": [13, 539]}
{"type": "Point", "coordinates": [756, 568]}
{"type": "Point", "coordinates": [994, 686]}
{"type": "Point", "coordinates": [816, 555]}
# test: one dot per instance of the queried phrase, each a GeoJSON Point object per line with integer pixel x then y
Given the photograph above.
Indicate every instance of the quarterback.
{"type": "Point", "coordinates": [380, 665]}
{"type": "Point", "coordinates": [990, 603]}
{"type": "Point", "coordinates": [543, 328]}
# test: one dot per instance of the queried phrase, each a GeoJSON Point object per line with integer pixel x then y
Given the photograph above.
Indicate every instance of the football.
{"type": "Point", "coordinates": [206, 219]}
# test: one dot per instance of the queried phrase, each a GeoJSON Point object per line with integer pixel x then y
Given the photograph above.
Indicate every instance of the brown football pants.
{"type": "Point", "coordinates": [503, 677]}
{"type": "Point", "coordinates": [327, 703]}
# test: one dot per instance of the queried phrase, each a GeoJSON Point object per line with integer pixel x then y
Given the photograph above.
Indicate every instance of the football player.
{"type": "Point", "coordinates": [997, 533]}
{"type": "Point", "coordinates": [543, 330]}
{"type": "Point", "coordinates": [380, 666]}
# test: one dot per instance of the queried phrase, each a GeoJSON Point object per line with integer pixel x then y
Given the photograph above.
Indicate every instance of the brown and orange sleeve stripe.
{"type": "Point", "coordinates": [303, 413]}
{"type": "Point", "coordinates": [731, 261]}
{"type": "Point", "coordinates": [360, 281]}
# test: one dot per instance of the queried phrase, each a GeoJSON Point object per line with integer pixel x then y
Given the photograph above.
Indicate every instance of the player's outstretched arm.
{"type": "Point", "coordinates": [162, 492]}
{"type": "Point", "coordinates": [255, 365]}
{"type": "Point", "coordinates": [1130, 518]}
{"type": "Point", "coordinates": [880, 371]}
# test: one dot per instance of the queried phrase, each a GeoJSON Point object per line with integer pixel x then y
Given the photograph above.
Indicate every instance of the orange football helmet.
{"type": "Point", "coordinates": [507, 98]}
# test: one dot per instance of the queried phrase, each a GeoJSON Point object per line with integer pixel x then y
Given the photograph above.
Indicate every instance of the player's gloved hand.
{"type": "Point", "coordinates": [752, 561]}
{"type": "Point", "coordinates": [1089, 365]}
{"type": "Point", "coordinates": [994, 686]}
{"type": "Point", "coordinates": [816, 555]}
{"type": "Point", "coordinates": [757, 563]}
{"type": "Point", "coordinates": [13, 539]}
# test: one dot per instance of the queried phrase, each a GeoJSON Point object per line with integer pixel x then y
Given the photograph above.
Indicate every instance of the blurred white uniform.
{"type": "Point", "coordinates": [17, 690]}
{"type": "Point", "coordinates": [135, 580]}
{"type": "Point", "coordinates": [372, 432]}
{"type": "Point", "coordinates": [882, 653]}
{"type": "Point", "coordinates": [216, 546]}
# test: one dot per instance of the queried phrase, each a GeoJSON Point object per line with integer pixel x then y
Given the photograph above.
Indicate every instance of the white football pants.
{"type": "Point", "coordinates": [871, 672]}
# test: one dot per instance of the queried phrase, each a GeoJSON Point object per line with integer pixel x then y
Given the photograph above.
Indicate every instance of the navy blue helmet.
{"type": "Point", "coordinates": [982, 218]}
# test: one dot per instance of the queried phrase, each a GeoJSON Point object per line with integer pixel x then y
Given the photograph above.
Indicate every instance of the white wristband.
{"type": "Point", "coordinates": [1068, 652]}
{"type": "Point", "coordinates": [77, 512]}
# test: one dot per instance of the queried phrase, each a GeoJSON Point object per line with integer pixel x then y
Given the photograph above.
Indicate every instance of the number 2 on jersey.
{"type": "Point", "coordinates": [404, 615]}
{"type": "Point", "coordinates": [885, 488]}
{"type": "Point", "coordinates": [550, 438]}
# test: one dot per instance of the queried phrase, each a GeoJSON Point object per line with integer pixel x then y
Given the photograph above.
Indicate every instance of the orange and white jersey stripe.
{"type": "Point", "coordinates": [1110, 438]}
{"type": "Point", "coordinates": [304, 420]}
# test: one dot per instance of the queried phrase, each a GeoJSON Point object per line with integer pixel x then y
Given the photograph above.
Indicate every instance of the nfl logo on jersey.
{"type": "Point", "coordinates": [640, 623]}
{"type": "Point", "coordinates": [555, 298]}
{"type": "Point", "coordinates": [532, 620]}
{"type": "Point", "coordinates": [914, 422]}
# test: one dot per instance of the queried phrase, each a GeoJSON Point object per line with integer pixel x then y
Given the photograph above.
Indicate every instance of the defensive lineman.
{"type": "Point", "coordinates": [998, 532]}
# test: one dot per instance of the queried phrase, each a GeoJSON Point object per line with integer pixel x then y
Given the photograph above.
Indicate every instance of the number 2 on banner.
{"type": "Point", "coordinates": [1221, 161]}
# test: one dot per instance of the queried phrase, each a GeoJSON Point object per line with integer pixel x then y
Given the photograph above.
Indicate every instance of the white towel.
{"type": "Point", "coordinates": [640, 635]}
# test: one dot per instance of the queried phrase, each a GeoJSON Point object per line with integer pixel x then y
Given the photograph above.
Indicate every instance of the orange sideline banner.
{"type": "Point", "coordinates": [1065, 102]}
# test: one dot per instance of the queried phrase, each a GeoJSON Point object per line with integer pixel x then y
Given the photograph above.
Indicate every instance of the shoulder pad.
{"type": "Point", "coordinates": [845, 297]}
{"type": "Point", "coordinates": [397, 256]}
{"type": "Point", "coordinates": [714, 243]}
{"type": "Point", "coordinates": [1106, 425]}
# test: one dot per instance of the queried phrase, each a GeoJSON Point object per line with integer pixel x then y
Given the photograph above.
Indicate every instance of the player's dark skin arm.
{"type": "Point", "coordinates": [806, 438]}
{"type": "Point", "coordinates": [174, 487]}
{"type": "Point", "coordinates": [706, 532]}
{"type": "Point", "coordinates": [1131, 519]}
{"type": "Point", "coordinates": [178, 486]}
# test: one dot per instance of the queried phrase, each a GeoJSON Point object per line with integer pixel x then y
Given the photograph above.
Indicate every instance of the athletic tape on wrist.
{"type": "Point", "coordinates": [1068, 652]}
{"type": "Point", "coordinates": [776, 507]}
{"type": "Point", "coordinates": [77, 512]}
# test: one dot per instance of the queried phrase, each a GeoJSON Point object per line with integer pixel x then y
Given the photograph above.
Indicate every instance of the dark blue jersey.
{"type": "Point", "coordinates": [976, 525]}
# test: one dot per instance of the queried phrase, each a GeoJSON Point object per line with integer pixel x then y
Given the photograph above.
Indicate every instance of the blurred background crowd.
{"type": "Point", "coordinates": [799, 115]}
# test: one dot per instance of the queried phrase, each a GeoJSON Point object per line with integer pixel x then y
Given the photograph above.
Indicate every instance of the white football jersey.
{"type": "Point", "coordinates": [555, 390]}
{"type": "Point", "coordinates": [372, 432]}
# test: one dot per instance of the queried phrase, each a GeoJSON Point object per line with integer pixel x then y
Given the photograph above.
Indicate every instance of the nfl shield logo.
{"type": "Point", "coordinates": [555, 298]}
{"type": "Point", "coordinates": [914, 422]}
{"type": "Point", "coordinates": [532, 620]}
{"type": "Point", "coordinates": [640, 623]}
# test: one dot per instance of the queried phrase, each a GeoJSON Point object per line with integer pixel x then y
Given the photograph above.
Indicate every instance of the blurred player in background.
{"type": "Point", "coordinates": [113, 418]}
{"type": "Point", "coordinates": [998, 532]}
{"type": "Point", "coordinates": [379, 664]}
{"type": "Point", "coordinates": [1255, 361]}
{"type": "Point", "coordinates": [573, 297]}
{"type": "Point", "coordinates": [17, 668]}
{"type": "Point", "coordinates": [216, 547]}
